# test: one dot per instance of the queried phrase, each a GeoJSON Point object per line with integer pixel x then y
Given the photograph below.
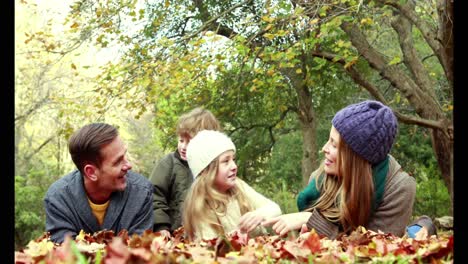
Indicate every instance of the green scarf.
{"type": "Point", "coordinates": [379, 173]}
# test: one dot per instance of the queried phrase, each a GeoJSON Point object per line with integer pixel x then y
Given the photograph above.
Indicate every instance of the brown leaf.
{"type": "Point", "coordinates": [117, 252]}
{"type": "Point", "coordinates": [312, 242]}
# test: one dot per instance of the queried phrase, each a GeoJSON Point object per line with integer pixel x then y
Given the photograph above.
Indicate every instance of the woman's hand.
{"type": "Point", "coordinates": [284, 223]}
{"type": "Point", "coordinates": [249, 221]}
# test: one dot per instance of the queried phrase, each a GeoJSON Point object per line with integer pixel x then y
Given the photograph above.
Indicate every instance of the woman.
{"type": "Point", "coordinates": [358, 183]}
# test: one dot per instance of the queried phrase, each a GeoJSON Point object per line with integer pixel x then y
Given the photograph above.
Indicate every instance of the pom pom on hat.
{"type": "Point", "coordinates": [369, 128]}
{"type": "Point", "coordinates": [206, 146]}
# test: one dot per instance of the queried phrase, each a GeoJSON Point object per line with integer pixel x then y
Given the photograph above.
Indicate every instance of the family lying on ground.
{"type": "Point", "coordinates": [358, 184]}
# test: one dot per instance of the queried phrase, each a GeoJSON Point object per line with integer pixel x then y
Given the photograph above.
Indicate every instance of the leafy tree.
{"type": "Point", "coordinates": [252, 82]}
{"type": "Point", "coordinates": [421, 30]}
{"type": "Point", "coordinates": [254, 63]}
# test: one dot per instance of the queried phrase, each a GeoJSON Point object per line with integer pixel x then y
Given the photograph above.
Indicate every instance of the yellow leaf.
{"type": "Point", "coordinates": [366, 21]}
{"type": "Point", "coordinates": [234, 254]}
{"type": "Point", "coordinates": [299, 71]}
{"type": "Point", "coordinates": [395, 60]}
{"type": "Point", "coordinates": [41, 248]}
{"type": "Point", "coordinates": [350, 63]}
{"type": "Point", "coordinates": [181, 245]}
{"type": "Point", "coordinates": [80, 236]}
{"type": "Point", "coordinates": [75, 25]}
{"type": "Point", "coordinates": [269, 36]}
{"type": "Point", "coordinates": [340, 43]}
{"type": "Point", "coordinates": [267, 19]}
{"type": "Point", "coordinates": [314, 21]}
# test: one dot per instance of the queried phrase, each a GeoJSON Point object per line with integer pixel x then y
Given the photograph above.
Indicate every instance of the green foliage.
{"type": "Point", "coordinates": [29, 212]}
{"type": "Point", "coordinates": [144, 150]}
{"type": "Point", "coordinates": [413, 150]}
{"type": "Point", "coordinates": [281, 192]}
{"type": "Point", "coordinates": [280, 179]}
{"type": "Point", "coordinates": [432, 197]}
{"type": "Point", "coordinates": [284, 166]}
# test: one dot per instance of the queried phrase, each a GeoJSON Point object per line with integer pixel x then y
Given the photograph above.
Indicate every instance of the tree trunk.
{"type": "Point", "coordinates": [306, 116]}
{"type": "Point", "coordinates": [443, 149]}
{"type": "Point", "coordinates": [307, 119]}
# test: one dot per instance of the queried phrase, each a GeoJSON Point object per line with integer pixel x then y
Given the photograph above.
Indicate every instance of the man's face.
{"type": "Point", "coordinates": [112, 174]}
{"type": "Point", "coordinates": [182, 145]}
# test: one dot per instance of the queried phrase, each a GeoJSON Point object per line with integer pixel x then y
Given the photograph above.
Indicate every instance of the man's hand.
{"type": "Point", "coordinates": [250, 221]}
{"type": "Point", "coordinates": [287, 222]}
{"type": "Point", "coordinates": [165, 233]}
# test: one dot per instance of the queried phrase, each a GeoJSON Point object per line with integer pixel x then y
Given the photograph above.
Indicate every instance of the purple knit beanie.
{"type": "Point", "coordinates": [369, 128]}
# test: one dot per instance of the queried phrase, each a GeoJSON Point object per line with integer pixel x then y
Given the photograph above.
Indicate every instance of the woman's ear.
{"type": "Point", "coordinates": [90, 172]}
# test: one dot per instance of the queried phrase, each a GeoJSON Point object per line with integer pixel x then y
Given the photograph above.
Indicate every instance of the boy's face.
{"type": "Point", "coordinates": [182, 145]}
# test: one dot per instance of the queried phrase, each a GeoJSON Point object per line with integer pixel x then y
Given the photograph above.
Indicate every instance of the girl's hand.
{"type": "Point", "coordinates": [250, 221]}
{"type": "Point", "coordinates": [287, 222]}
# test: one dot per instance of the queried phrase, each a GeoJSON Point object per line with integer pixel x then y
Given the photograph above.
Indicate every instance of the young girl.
{"type": "Point", "coordinates": [218, 202]}
{"type": "Point", "coordinates": [358, 183]}
{"type": "Point", "coordinates": [171, 177]}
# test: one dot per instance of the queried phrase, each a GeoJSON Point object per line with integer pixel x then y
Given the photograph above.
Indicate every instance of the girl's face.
{"type": "Point", "coordinates": [330, 149]}
{"type": "Point", "coordinates": [227, 171]}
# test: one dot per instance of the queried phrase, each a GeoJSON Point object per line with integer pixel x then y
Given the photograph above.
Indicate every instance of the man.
{"type": "Point", "coordinates": [102, 194]}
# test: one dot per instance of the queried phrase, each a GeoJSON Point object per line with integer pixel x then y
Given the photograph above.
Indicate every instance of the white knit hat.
{"type": "Point", "coordinates": [206, 146]}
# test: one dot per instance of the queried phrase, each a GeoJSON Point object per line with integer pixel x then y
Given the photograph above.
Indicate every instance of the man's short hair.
{"type": "Point", "coordinates": [86, 143]}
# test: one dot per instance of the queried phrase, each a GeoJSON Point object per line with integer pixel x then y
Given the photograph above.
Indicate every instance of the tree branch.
{"type": "Point", "coordinates": [428, 32]}
{"type": "Point", "coordinates": [374, 91]}
{"type": "Point", "coordinates": [396, 77]}
{"type": "Point", "coordinates": [212, 20]}
{"type": "Point", "coordinates": [403, 27]}
{"type": "Point", "coordinates": [34, 152]}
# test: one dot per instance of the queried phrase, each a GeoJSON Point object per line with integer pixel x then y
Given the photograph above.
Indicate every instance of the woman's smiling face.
{"type": "Point", "coordinates": [330, 149]}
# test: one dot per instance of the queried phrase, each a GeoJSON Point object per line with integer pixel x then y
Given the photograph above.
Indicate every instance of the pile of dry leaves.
{"type": "Point", "coordinates": [360, 246]}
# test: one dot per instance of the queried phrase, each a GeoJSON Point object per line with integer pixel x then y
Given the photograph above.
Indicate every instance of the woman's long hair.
{"type": "Point", "coordinates": [204, 202]}
{"type": "Point", "coordinates": [347, 197]}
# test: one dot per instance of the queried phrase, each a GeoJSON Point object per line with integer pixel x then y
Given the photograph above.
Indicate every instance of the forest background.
{"type": "Point", "coordinates": [273, 72]}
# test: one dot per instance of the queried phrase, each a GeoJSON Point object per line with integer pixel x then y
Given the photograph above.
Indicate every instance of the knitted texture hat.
{"type": "Point", "coordinates": [206, 146]}
{"type": "Point", "coordinates": [368, 127]}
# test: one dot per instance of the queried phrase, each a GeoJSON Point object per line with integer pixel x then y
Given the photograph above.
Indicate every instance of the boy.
{"type": "Point", "coordinates": [171, 177]}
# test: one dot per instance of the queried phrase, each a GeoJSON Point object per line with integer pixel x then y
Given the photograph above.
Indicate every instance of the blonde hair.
{"type": "Point", "coordinates": [196, 120]}
{"type": "Point", "coordinates": [204, 202]}
{"type": "Point", "coordinates": [346, 198]}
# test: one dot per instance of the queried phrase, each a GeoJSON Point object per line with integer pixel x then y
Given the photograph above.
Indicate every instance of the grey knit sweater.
{"type": "Point", "coordinates": [392, 214]}
{"type": "Point", "coordinates": [68, 211]}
